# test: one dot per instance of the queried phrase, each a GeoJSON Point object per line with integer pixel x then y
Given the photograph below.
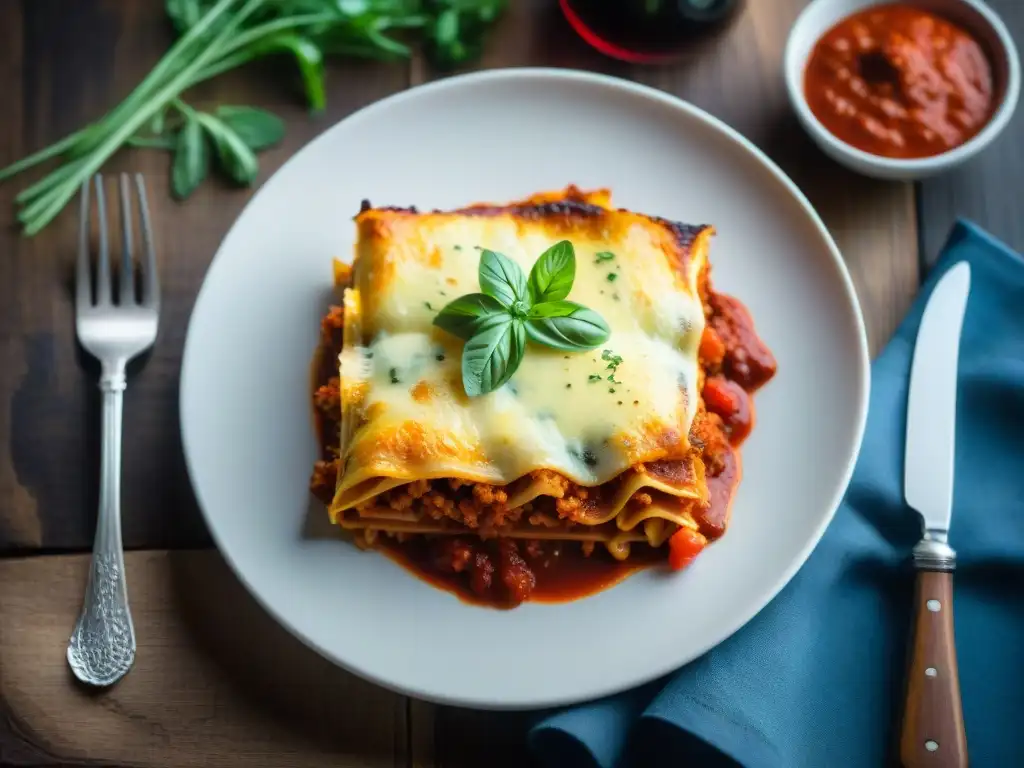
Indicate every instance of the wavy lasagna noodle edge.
{"type": "Point", "coordinates": [645, 501]}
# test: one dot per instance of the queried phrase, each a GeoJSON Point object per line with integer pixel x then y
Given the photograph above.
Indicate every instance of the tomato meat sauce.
{"type": "Point", "coordinates": [505, 572]}
{"type": "Point", "coordinates": [900, 82]}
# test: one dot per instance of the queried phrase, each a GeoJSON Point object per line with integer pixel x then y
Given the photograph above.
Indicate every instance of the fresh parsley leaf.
{"type": "Point", "coordinates": [553, 273]}
{"type": "Point", "coordinates": [566, 325]}
{"type": "Point", "coordinates": [613, 360]}
{"type": "Point", "coordinates": [602, 256]}
{"type": "Point", "coordinates": [466, 315]}
{"type": "Point", "coordinates": [593, 377]}
{"type": "Point", "coordinates": [502, 278]}
{"type": "Point", "coordinates": [612, 277]}
{"type": "Point", "coordinates": [493, 354]}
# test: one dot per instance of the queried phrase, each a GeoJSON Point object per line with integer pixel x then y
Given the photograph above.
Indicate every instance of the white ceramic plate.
{"type": "Point", "coordinates": [497, 136]}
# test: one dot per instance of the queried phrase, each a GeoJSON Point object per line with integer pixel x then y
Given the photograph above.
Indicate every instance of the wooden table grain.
{"type": "Point", "coordinates": [216, 681]}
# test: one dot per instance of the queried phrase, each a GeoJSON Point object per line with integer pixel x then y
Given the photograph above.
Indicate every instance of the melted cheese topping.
{"type": "Point", "coordinates": [405, 412]}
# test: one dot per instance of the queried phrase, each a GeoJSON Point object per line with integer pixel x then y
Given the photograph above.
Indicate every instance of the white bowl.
{"type": "Point", "coordinates": [975, 16]}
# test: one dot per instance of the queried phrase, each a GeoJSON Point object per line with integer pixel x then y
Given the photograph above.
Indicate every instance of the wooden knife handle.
{"type": "Point", "coordinates": [933, 732]}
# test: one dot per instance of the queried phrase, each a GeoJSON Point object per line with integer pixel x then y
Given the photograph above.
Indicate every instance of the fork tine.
{"type": "Point", "coordinates": [126, 280]}
{"type": "Point", "coordinates": [103, 268]}
{"type": "Point", "coordinates": [83, 277]}
{"type": "Point", "coordinates": [150, 278]}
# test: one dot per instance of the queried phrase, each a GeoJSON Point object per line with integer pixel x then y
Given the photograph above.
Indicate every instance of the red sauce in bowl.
{"type": "Point", "coordinates": [900, 82]}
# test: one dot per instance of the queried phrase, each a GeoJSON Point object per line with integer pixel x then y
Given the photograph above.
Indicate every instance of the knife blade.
{"type": "Point", "coordinates": [931, 402]}
{"type": "Point", "coordinates": [932, 732]}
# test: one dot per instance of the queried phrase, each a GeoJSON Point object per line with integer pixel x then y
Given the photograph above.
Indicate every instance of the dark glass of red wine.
{"type": "Point", "coordinates": [647, 31]}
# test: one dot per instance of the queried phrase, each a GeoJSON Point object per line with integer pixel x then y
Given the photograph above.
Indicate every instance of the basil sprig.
{"type": "Point", "coordinates": [496, 323]}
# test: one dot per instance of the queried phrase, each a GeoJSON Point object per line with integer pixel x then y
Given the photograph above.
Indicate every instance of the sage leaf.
{"type": "Point", "coordinates": [566, 325]}
{"type": "Point", "coordinates": [502, 278]}
{"type": "Point", "coordinates": [191, 159]}
{"type": "Point", "coordinates": [258, 128]}
{"type": "Point", "coordinates": [237, 160]}
{"type": "Point", "coordinates": [553, 273]}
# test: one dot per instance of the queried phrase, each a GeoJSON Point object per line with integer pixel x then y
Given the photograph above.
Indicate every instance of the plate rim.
{"type": "Point", "coordinates": [596, 689]}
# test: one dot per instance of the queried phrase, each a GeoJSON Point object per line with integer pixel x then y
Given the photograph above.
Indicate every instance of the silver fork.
{"type": "Point", "coordinates": [102, 645]}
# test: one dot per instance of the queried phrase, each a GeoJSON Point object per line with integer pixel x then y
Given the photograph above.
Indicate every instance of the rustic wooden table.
{"type": "Point", "coordinates": [216, 682]}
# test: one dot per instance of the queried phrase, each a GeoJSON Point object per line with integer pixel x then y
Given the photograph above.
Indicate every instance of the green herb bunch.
{"type": "Point", "coordinates": [215, 36]}
{"type": "Point", "coordinates": [496, 323]}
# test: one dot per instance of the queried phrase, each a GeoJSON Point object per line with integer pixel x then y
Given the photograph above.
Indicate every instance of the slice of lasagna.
{"type": "Point", "coordinates": [619, 446]}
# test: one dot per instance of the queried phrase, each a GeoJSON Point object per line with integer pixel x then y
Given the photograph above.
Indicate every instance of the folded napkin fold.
{"type": "Point", "coordinates": [816, 678]}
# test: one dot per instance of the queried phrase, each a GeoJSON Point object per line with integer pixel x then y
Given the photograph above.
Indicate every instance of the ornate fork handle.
{"type": "Point", "coordinates": [102, 646]}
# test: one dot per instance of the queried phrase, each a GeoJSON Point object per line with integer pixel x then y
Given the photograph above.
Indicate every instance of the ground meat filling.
{"type": "Point", "coordinates": [483, 561]}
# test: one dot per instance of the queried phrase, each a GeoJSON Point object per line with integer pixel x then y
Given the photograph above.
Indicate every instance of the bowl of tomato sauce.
{"type": "Point", "coordinates": [902, 90]}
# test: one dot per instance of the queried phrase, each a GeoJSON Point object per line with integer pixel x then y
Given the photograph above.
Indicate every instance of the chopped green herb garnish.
{"type": "Point", "coordinates": [603, 256]}
{"type": "Point", "coordinates": [620, 402]}
{"type": "Point", "coordinates": [612, 379]}
{"type": "Point", "coordinates": [593, 377]}
{"type": "Point", "coordinates": [457, 247]}
{"type": "Point", "coordinates": [393, 374]}
{"type": "Point", "coordinates": [612, 390]}
{"type": "Point", "coordinates": [439, 357]}
{"type": "Point", "coordinates": [428, 305]}
{"type": "Point", "coordinates": [612, 277]}
{"type": "Point", "coordinates": [613, 360]}
{"type": "Point", "coordinates": [568, 386]}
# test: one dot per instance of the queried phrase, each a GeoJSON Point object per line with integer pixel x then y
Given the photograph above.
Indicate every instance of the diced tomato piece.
{"type": "Point", "coordinates": [684, 546]}
{"type": "Point", "coordinates": [720, 398]}
{"type": "Point", "coordinates": [712, 348]}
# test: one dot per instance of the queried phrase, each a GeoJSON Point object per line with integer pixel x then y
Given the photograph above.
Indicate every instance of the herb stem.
{"type": "Point", "coordinates": [43, 155]}
{"type": "Point", "coordinates": [45, 184]}
{"type": "Point", "coordinates": [169, 62]}
{"type": "Point", "coordinates": [39, 216]}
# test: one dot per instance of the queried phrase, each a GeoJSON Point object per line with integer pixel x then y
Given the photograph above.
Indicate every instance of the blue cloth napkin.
{"type": "Point", "coordinates": [816, 679]}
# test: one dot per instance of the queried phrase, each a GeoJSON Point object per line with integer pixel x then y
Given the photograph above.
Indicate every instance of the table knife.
{"type": "Point", "coordinates": [933, 731]}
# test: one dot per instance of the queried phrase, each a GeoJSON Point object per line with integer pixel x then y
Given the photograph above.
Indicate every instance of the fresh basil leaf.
{"type": "Point", "coordinates": [566, 325]}
{"type": "Point", "coordinates": [491, 357]}
{"type": "Point", "coordinates": [191, 159]}
{"type": "Point", "coordinates": [237, 160]}
{"type": "Point", "coordinates": [258, 128]}
{"type": "Point", "coordinates": [553, 273]}
{"type": "Point", "coordinates": [502, 278]}
{"type": "Point", "coordinates": [465, 316]}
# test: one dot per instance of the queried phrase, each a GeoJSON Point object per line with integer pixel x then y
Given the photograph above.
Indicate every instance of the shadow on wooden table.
{"type": "Point", "coordinates": [270, 673]}
{"type": "Point", "coordinates": [215, 681]}
{"type": "Point", "coordinates": [337, 712]}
